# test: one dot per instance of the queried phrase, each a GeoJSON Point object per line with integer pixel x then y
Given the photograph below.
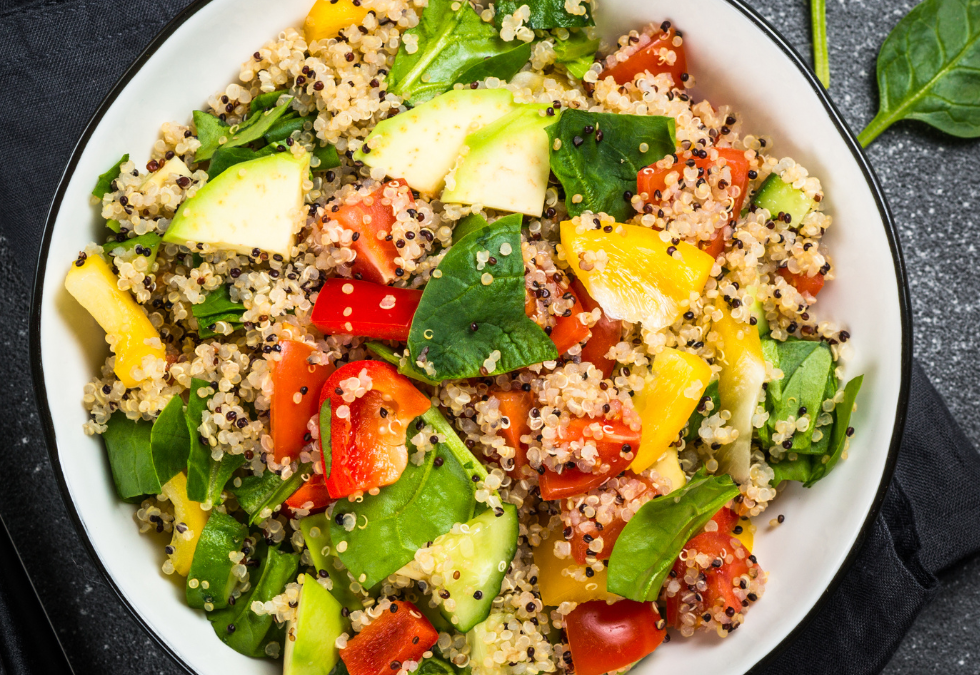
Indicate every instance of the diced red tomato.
{"type": "Point", "coordinates": [515, 405]}
{"type": "Point", "coordinates": [647, 58]}
{"type": "Point", "coordinates": [366, 309]}
{"type": "Point", "coordinates": [312, 495]}
{"type": "Point", "coordinates": [604, 637]}
{"type": "Point", "coordinates": [606, 333]}
{"type": "Point", "coordinates": [371, 221]}
{"type": "Point", "coordinates": [568, 330]}
{"type": "Point", "coordinates": [618, 439]}
{"type": "Point", "coordinates": [367, 434]}
{"type": "Point", "coordinates": [290, 376]}
{"type": "Point", "coordinates": [395, 637]}
{"type": "Point", "coordinates": [726, 519]}
{"type": "Point", "coordinates": [610, 532]}
{"type": "Point", "coordinates": [802, 282]}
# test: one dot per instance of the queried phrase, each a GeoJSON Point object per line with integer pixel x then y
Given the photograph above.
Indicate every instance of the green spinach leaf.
{"type": "Point", "coordinates": [247, 132]}
{"type": "Point", "coordinates": [601, 166]}
{"type": "Point", "coordinates": [131, 457]}
{"type": "Point", "coordinates": [285, 127]}
{"type": "Point", "coordinates": [210, 130]}
{"type": "Point", "coordinates": [839, 435]}
{"type": "Point", "coordinates": [471, 465]}
{"type": "Point", "coordinates": [470, 223]}
{"type": "Point", "coordinates": [436, 666]}
{"type": "Point", "coordinates": [103, 186]}
{"type": "Point", "coordinates": [211, 565]}
{"type": "Point", "coordinates": [208, 329]}
{"type": "Point", "coordinates": [503, 66]}
{"type": "Point", "coordinates": [170, 441]}
{"type": "Point", "coordinates": [928, 70]}
{"type": "Point", "coordinates": [799, 469]}
{"type": "Point", "coordinates": [217, 302]}
{"type": "Point", "coordinates": [258, 493]}
{"type": "Point", "coordinates": [577, 53]}
{"type": "Point", "coordinates": [650, 543]}
{"type": "Point", "coordinates": [807, 367]}
{"type": "Point", "coordinates": [206, 478]}
{"type": "Point", "coordinates": [545, 14]}
{"type": "Point", "coordinates": [224, 158]}
{"type": "Point", "coordinates": [326, 444]}
{"type": "Point", "coordinates": [442, 334]}
{"type": "Point", "coordinates": [150, 242]}
{"type": "Point", "coordinates": [405, 367]}
{"type": "Point", "coordinates": [327, 154]}
{"type": "Point", "coordinates": [701, 412]}
{"type": "Point", "coordinates": [266, 101]}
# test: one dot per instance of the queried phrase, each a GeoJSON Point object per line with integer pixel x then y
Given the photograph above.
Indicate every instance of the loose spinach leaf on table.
{"type": "Point", "coordinates": [577, 53]}
{"type": "Point", "coordinates": [545, 14]}
{"type": "Point", "coordinates": [450, 42]}
{"type": "Point", "coordinates": [258, 493]}
{"type": "Point", "coordinates": [646, 549]}
{"type": "Point", "coordinates": [442, 335]}
{"type": "Point", "coordinates": [103, 186]}
{"type": "Point", "coordinates": [249, 131]}
{"type": "Point", "coordinates": [929, 70]}
{"type": "Point", "coordinates": [601, 166]}
{"type": "Point", "coordinates": [426, 501]}
{"type": "Point", "coordinates": [130, 453]}
{"type": "Point", "coordinates": [839, 435]}
{"type": "Point", "coordinates": [170, 441]}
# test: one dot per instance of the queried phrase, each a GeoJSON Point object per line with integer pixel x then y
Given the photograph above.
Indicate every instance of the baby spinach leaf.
{"type": "Point", "coordinates": [503, 66]}
{"type": "Point", "coordinates": [103, 186]}
{"type": "Point", "coordinates": [545, 14]}
{"type": "Point", "coordinates": [471, 465]}
{"type": "Point", "coordinates": [450, 42]}
{"type": "Point", "coordinates": [807, 365]}
{"type": "Point", "coordinates": [170, 441]}
{"type": "Point", "coordinates": [650, 543]}
{"type": "Point", "coordinates": [327, 154]}
{"type": "Point", "coordinates": [799, 469]}
{"type": "Point", "coordinates": [211, 566]}
{"type": "Point", "coordinates": [285, 127]}
{"type": "Point", "coordinates": [217, 302]}
{"type": "Point", "coordinates": [454, 304]}
{"type": "Point", "coordinates": [149, 241]}
{"type": "Point", "coordinates": [470, 223]}
{"type": "Point", "coordinates": [258, 493]}
{"type": "Point", "coordinates": [928, 70]}
{"type": "Point", "coordinates": [206, 478]}
{"type": "Point", "coordinates": [326, 445]}
{"type": "Point", "coordinates": [206, 326]}
{"type": "Point", "coordinates": [224, 158]}
{"type": "Point", "coordinates": [249, 131]}
{"type": "Point", "coordinates": [694, 422]}
{"type": "Point", "coordinates": [210, 129]}
{"type": "Point", "coordinates": [130, 456]}
{"type": "Point", "coordinates": [601, 166]}
{"type": "Point", "coordinates": [402, 518]}
{"type": "Point", "coordinates": [266, 101]}
{"type": "Point", "coordinates": [316, 533]}
{"type": "Point", "coordinates": [386, 353]}
{"type": "Point", "coordinates": [839, 435]}
{"type": "Point", "coordinates": [436, 666]}
{"type": "Point", "coordinates": [577, 53]}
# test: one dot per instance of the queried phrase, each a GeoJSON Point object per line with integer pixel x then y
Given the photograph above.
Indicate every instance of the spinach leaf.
{"type": "Point", "coordinates": [545, 14]}
{"type": "Point", "coordinates": [316, 534]}
{"type": "Point", "coordinates": [210, 130]}
{"type": "Point", "coordinates": [386, 353]}
{"type": "Point", "coordinates": [170, 441]}
{"type": "Point", "coordinates": [247, 132]}
{"type": "Point", "coordinates": [285, 127]}
{"type": "Point", "coordinates": [217, 302]}
{"type": "Point", "coordinates": [470, 223]}
{"type": "Point", "coordinates": [650, 543]}
{"type": "Point", "coordinates": [258, 493]}
{"type": "Point", "coordinates": [471, 465]}
{"type": "Point", "coordinates": [839, 435]}
{"type": "Point", "coordinates": [211, 566]}
{"type": "Point", "coordinates": [206, 478]}
{"type": "Point", "coordinates": [208, 330]}
{"type": "Point", "coordinates": [149, 241]}
{"type": "Point", "coordinates": [450, 42]}
{"type": "Point", "coordinates": [326, 445]}
{"type": "Point", "coordinates": [442, 333]}
{"type": "Point", "coordinates": [821, 57]}
{"type": "Point", "coordinates": [103, 186]}
{"type": "Point", "coordinates": [131, 457]}
{"type": "Point", "coordinates": [327, 154]}
{"type": "Point", "coordinates": [577, 53]}
{"type": "Point", "coordinates": [114, 226]}
{"type": "Point", "coordinates": [927, 70]}
{"type": "Point", "coordinates": [436, 666]}
{"type": "Point", "coordinates": [807, 367]}
{"type": "Point", "coordinates": [799, 469]}
{"type": "Point", "coordinates": [701, 412]}
{"type": "Point", "coordinates": [503, 66]}
{"type": "Point", "coordinates": [224, 158]}
{"type": "Point", "coordinates": [266, 101]}
{"type": "Point", "coordinates": [391, 526]}
{"type": "Point", "coordinates": [602, 166]}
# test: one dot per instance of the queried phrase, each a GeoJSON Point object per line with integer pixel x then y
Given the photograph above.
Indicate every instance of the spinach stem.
{"type": "Point", "coordinates": [456, 446]}
{"type": "Point", "coordinates": [821, 56]}
{"type": "Point", "coordinates": [880, 122]}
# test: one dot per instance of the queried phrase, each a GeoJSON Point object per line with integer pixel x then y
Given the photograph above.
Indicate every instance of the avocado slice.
{"type": "Point", "coordinates": [505, 165]}
{"type": "Point", "coordinates": [310, 637]}
{"type": "Point", "coordinates": [777, 196]}
{"type": "Point", "coordinates": [257, 204]}
{"type": "Point", "coordinates": [421, 144]}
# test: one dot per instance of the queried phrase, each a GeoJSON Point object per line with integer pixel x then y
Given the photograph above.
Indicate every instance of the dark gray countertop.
{"type": "Point", "coordinates": [932, 186]}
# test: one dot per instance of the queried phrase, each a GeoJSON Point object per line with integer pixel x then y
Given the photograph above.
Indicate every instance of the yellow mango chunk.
{"type": "Point", "coordinates": [556, 587]}
{"type": "Point", "coordinates": [327, 19]}
{"type": "Point", "coordinates": [674, 385]}
{"type": "Point", "coordinates": [131, 335]}
{"type": "Point", "coordinates": [743, 372]}
{"type": "Point", "coordinates": [668, 466]}
{"type": "Point", "coordinates": [189, 514]}
{"type": "Point", "coordinates": [635, 278]}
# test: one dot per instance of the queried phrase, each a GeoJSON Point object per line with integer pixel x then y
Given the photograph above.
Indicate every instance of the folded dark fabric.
{"type": "Point", "coordinates": [59, 59]}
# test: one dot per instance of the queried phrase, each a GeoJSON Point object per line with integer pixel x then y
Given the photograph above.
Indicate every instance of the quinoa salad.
{"type": "Point", "coordinates": [452, 338]}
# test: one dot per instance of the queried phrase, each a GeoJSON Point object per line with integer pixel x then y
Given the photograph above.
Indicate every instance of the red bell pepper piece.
{"type": "Point", "coordinates": [515, 405]}
{"type": "Point", "coordinates": [292, 375]}
{"type": "Point", "coordinates": [726, 519]}
{"type": "Point", "coordinates": [368, 432]}
{"type": "Point", "coordinates": [802, 282]}
{"type": "Point", "coordinates": [604, 637]}
{"type": "Point", "coordinates": [568, 330]}
{"type": "Point", "coordinates": [398, 635]}
{"type": "Point", "coordinates": [606, 333]}
{"type": "Point", "coordinates": [371, 220]}
{"type": "Point", "coordinates": [312, 495]}
{"type": "Point", "coordinates": [352, 307]}
{"type": "Point", "coordinates": [646, 57]}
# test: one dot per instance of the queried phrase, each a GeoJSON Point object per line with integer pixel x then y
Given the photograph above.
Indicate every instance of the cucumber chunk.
{"type": "Point", "coordinates": [311, 636]}
{"type": "Point", "coordinates": [777, 196]}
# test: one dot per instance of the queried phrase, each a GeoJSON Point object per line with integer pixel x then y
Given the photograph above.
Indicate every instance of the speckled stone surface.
{"type": "Point", "coordinates": [932, 186]}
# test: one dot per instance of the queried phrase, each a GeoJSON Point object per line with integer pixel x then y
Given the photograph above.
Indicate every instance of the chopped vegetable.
{"type": "Point", "coordinates": [562, 579]}
{"type": "Point", "coordinates": [327, 19]}
{"type": "Point", "coordinates": [604, 637]}
{"type": "Point", "coordinates": [370, 220]}
{"type": "Point", "coordinates": [296, 385]}
{"type": "Point", "coordinates": [656, 52]}
{"type": "Point", "coordinates": [515, 405]}
{"type": "Point", "coordinates": [365, 309]}
{"type": "Point", "coordinates": [189, 521]}
{"type": "Point", "coordinates": [389, 640]}
{"type": "Point", "coordinates": [211, 579]}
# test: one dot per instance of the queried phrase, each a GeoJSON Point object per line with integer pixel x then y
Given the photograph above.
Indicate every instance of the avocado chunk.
{"type": "Point", "coordinates": [505, 165]}
{"type": "Point", "coordinates": [310, 637]}
{"type": "Point", "coordinates": [257, 204]}
{"type": "Point", "coordinates": [422, 144]}
{"type": "Point", "coordinates": [210, 580]}
{"type": "Point", "coordinates": [777, 196]}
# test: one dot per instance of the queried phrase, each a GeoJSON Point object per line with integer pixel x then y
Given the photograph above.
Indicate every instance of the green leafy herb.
{"type": "Point", "coordinates": [206, 478]}
{"type": "Point", "coordinates": [402, 518]}
{"type": "Point", "coordinates": [450, 42]}
{"type": "Point", "coordinates": [326, 444]}
{"type": "Point", "coordinates": [470, 223]}
{"type": "Point", "coordinates": [468, 313]}
{"type": "Point", "coordinates": [286, 126]}
{"type": "Point", "coordinates": [149, 241]}
{"type": "Point", "coordinates": [327, 154]}
{"type": "Point", "coordinates": [316, 533]}
{"type": "Point", "coordinates": [130, 456]}
{"type": "Point", "coordinates": [545, 14]}
{"type": "Point", "coordinates": [266, 101]}
{"type": "Point", "coordinates": [928, 70]}
{"type": "Point", "coordinates": [386, 353]}
{"type": "Point", "coordinates": [799, 469]}
{"type": "Point", "coordinates": [471, 465]}
{"type": "Point", "coordinates": [257, 494]}
{"type": "Point", "coordinates": [210, 130]}
{"type": "Point", "coordinates": [694, 422]}
{"type": "Point", "coordinates": [224, 158]}
{"type": "Point", "coordinates": [646, 549]}
{"type": "Point", "coordinates": [436, 666]}
{"type": "Point", "coordinates": [170, 441]}
{"type": "Point", "coordinates": [249, 131]}
{"type": "Point", "coordinates": [821, 58]}
{"type": "Point", "coordinates": [601, 166]}
{"type": "Point", "coordinates": [103, 186]}
{"type": "Point", "coordinates": [807, 365]}
{"type": "Point", "coordinates": [504, 65]}
{"type": "Point", "coordinates": [217, 306]}
{"type": "Point", "coordinates": [839, 435]}
{"type": "Point", "coordinates": [211, 566]}
{"type": "Point", "coordinates": [577, 53]}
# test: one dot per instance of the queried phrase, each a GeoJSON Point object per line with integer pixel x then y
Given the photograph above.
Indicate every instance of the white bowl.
{"type": "Point", "coordinates": [737, 59]}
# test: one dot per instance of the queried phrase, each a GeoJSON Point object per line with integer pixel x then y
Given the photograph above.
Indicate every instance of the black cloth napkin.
{"type": "Point", "coordinates": [59, 58]}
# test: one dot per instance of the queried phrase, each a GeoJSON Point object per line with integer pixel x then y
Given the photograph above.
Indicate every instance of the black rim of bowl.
{"type": "Point", "coordinates": [37, 370]}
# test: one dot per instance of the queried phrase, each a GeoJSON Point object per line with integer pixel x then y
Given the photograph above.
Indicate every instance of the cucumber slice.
{"type": "Point", "coordinates": [481, 555]}
{"type": "Point", "coordinates": [778, 197]}
{"type": "Point", "coordinates": [310, 648]}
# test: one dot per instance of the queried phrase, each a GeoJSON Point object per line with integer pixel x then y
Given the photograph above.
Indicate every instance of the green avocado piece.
{"type": "Point", "coordinates": [311, 636]}
{"type": "Point", "coordinates": [505, 165]}
{"type": "Point", "coordinates": [255, 204]}
{"type": "Point", "coordinates": [211, 566]}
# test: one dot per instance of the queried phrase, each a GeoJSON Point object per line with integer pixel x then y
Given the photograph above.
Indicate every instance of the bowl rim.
{"type": "Point", "coordinates": [37, 369]}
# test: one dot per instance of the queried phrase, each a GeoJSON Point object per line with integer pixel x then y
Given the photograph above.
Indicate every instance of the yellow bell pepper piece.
{"type": "Point", "coordinates": [668, 466]}
{"type": "Point", "coordinates": [674, 385]}
{"type": "Point", "coordinates": [556, 587]}
{"type": "Point", "coordinates": [133, 337]}
{"type": "Point", "coordinates": [743, 372]}
{"type": "Point", "coordinates": [327, 19]}
{"type": "Point", "coordinates": [640, 281]}
{"type": "Point", "coordinates": [747, 535]}
{"type": "Point", "coordinates": [188, 513]}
